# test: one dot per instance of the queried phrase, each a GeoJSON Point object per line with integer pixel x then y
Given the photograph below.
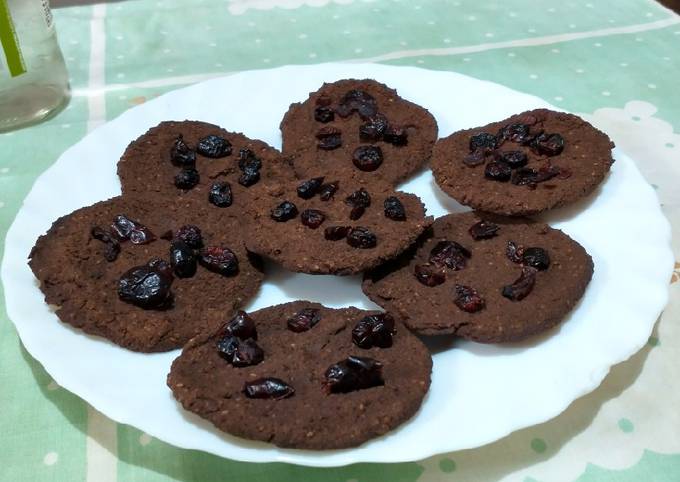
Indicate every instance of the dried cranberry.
{"type": "Point", "coordinates": [548, 144]}
{"type": "Point", "coordinates": [497, 171]}
{"type": "Point", "coordinates": [536, 258]}
{"type": "Point", "coordinates": [247, 160]}
{"type": "Point", "coordinates": [213, 146]}
{"type": "Point", "coordinates": [329, 138]}
{"type": "Point", "coordinates": [396, 135]}
{"type": "Point", "coordinates": [353, 373]}
{"type": "Point", "coordinates": [249, 178]}
{"type": "Point", "coordinates": [515, 132]}
{"type": "Point", "coordinates": [362, 238]}
{"type": "Point", "coordinates": [374, 330]}
{"type": "Point", "coordinates": [467, 299]}
{"type": "Point", "coordinates": [358, 201]}
{"type": "Point", "coordinates": [373, 129]}
{"type": "Point", "coordinates": [182, 259]}
{"type": "Point", "coordinates": [112, 244]}
{"type": "Point", "coordinates": [449, 254]}
{"type": "Point", "coordinates": [187, 179]}
{"type": "Point", "coordinates": [514, 159]}
{"type": "Point", "coordinates": [304, 320]}
{"type": "Point", "coordinates": [327, 191]}
{"type": "Point", "coordinates": [522, 286]}
{"type": "Point", "coordinates": [483, 230]}
{"type": "Point", "coordinates": [514, 252]}
{"type": "Point", "coordinates": [357, 101]}
{"type": "Point", "coordinates": [483, 140]}
{"type": "Point", "coordinates": [526, 176]}
{"type": "Point", "coordinates": [125, 228]}
{"type": "Point", "coordinates": [336, 233]}
{"type": "Point", "coordinates": [430, 274]}
{"type": "Point", "coordinates": [191, 235]}
{"type": "Point", "coordinates": [220, 194]}
{"type": "Point", "coordinates": [476, 158]}
{"type": "Point", "coordinates": [268, 388]}
{"type": "Point", "coordinates": [284, 212]}
{"type": "Point", "coordinates": [324, 114]}
{"type": "Point", "coordinates": [181, 155]}
{"type": "Point", "coordinates": [146, 287]}
{"type": "Point", "coordinates": [308, 189]}
{"type": "Point", "coordinates": [312, 218]}
{"type": "Point", "coordinates": [219, 260]}
{"type": "Point", "coordinates": [394, 209]}
{"type": "Point", "coordinates": [241, 326]}
{"type": "Point", "coordinates": [367, 158]}
{"type": "Point", "coordinates": [240, 353]}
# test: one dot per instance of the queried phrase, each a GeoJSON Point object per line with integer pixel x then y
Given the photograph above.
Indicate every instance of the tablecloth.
{"type": "Point", "coordinates": [615, 63]}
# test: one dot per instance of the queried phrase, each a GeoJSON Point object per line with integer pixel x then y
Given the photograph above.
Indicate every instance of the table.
{"type": "Point", "coordinates": [617, 64]}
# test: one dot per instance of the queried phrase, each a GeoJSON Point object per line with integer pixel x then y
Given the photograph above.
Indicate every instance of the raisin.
{"type": "Point", "coordinates": [526, 176]}
{"type": "Point", "coordinates": [240, 353]}
{"type": "Point", "coordinates": [373, 129]}
{"type": "Point", "coordinates": [515, 132]}
{"type": "Point", "coordinates": [182, 259]}
{"type": "Point", "coordinates": [308, 189]}
{"type": "Point", "coordinates": [125, 228]}
{"type": "Point", "coordinates": [249, 177]}
{"type": "Point", "coordinates": [304, 320]}
{"type": "Point", "coordinates": [187, 179]}
{"type": "Point", "coordinates": [358, 201]}
{"type": "Point", "coordinates": [374, 330]}
{"type": "Point", "coordinates": [548, 144]}
{"type": "Point", "coordinates": [476, 158]}
{"type": "Point", "coordinates": [536, 258]}
{"type": "Point", "coordinates": [220, 194]}
{"type": "Point", "coordinates": [162, 266]}
{"type": "Point", "coordinates": [353, 373]}
{"type": "Point", "coordinates": [181, 155]}
{"type": "Point", "coordinates": [449, 254]}
{"type": "Point", "coordinates": [284, 212]}
{"type": "Point", "coordinates": [394, 209]}
{"type": "Point", "coordinates": [324, 114]}
{"type": "Point", "coordinates": [514, 159]}
{"type": "Point", "coordinates": [329, 138]}
{"type": "Point", "coordinates": [367, 158]}
{"type": "Point", "coordinates": [328, 190]}
{"type": "Point", "coordinates": [357, 101]}
{"type": "Point", "coordinates": [191, 235]}
{"type": "Point", "coordinates": [336, 233]}
{"type": "Point", "coordinates": [362, 238]}
{"type": "Point", "coordinates": [514, 252]}
{"type": "Point", "coordinates": [429, 274]}
{"type": "Point", "coordinates": [146, 287]}
{"type": "Point", "coordinates": [213, 146]}
{"type": "Point", "coordinates": [497, 171]}
{"type": "Point", "coordinates": [312, 218]}
{"type": "Point", "coordinates": [219, 260]}
{"type": "Point", "coordinates": [522, 286]}
{"type": "Point", "coordinates": [483, 230]}
{"type": "Point", "coordinates": [112, 244]}
{"type": "Point", "coordinates": [241, 326]}
{"type": "Point", "coordinates": [483, 140]}
{"type": "Point", "coordinates": [396, 135]}
{"type": "Point", "coordinates": [268, 388]}
{"type": "Point", "coordinates": [467, 299]}
{"type": "Point", "coordinates": [247, 160]}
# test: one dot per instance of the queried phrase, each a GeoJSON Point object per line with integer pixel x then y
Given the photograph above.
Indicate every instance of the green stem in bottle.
{"type": "Point", "coordinates": [10, 44]}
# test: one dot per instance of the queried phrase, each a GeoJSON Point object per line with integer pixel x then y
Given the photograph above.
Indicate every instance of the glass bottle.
{"type": "Point", "coordinates": [33, 76]}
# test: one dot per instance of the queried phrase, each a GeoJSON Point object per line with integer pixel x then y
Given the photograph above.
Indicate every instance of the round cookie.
{"type": "Point", "coordinates": [359, 228]}
{"type": "Point", "coordinates": [523, 165]}
{"type": "Point", "coordinates": [79, 272]}
{"type": "Point", "coordinates": [474, 289]}
{"type": "Point", "coordinates": [391, 138]}
{"type": "Point", "coordinates": [313, 410]}
{"type": "Point", "coordinates": [228, 167]}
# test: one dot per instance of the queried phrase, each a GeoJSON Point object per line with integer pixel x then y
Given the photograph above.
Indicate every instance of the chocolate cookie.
{"type": "Point", "coordinates": [101, 266]}
{"type": "Point", "coordinates": [484, 278]}
{"type": "Point", "coordinates": [325, 226]}
{"type": "Point", "coordinates": [524, 165]}
{"type": "Point", "coordinates": [203, 162]}
{"type": "Point", "coordinates": [304, 376]}
{"type": "Point", "coordinates": [358, 129]}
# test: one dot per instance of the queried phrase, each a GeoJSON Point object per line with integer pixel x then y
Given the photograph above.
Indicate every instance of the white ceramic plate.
{"type": "Point", "coordinates": [479, 393]}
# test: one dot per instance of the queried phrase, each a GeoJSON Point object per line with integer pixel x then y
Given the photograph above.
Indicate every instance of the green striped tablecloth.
{"type": "Point", "coordinates": [615, 63]}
